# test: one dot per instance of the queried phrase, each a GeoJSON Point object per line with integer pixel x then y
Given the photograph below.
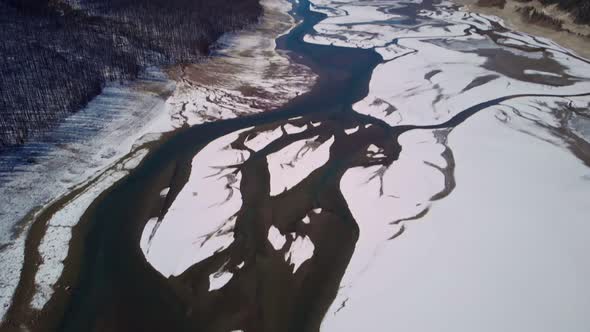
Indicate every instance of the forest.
{"type": "Point", "coordinates": [56, 55]}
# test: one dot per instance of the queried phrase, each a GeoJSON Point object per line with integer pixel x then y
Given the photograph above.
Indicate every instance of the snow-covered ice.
{"type": "Point", "coordinates": [54, 244]}
{"type": "Point", "coordinates": [219, 279]}
{"type": "Point", "coordinates": [292, 164]}
{"type": "Point", "coordinates": [510, 233]}
{"type": "Point", "coordinates": [276, 239]}
{"type": "Point", "coordinates": [183, 238]}
{"type": "Point", "coordinates": [491, 249]}
{"type": "Point", "coordinates": [249, 76]}
{"type": "Point", "coordinates": [306, 219]}
{"type": "Point", "coordinates": [300, 251]}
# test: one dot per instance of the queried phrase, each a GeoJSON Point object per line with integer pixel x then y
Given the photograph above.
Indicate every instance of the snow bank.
{"type": "Point", "coordinates": [292, 164]}
{"type": "Point", "coordinates": [182, 237]}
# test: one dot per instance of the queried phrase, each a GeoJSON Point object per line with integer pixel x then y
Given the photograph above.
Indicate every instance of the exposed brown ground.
{"type": "Point", "coordinates": [573, 36]}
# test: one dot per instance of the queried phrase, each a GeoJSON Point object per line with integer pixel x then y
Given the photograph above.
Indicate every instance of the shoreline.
{"type": "Point", "coordinates": [572, 36]}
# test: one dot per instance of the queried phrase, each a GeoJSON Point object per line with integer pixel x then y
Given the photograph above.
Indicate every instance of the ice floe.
{"type": "Point", "coordinates": [67, 158]}
{"type": "Point", "coordinates": [300, 251]}
{"type": "Point", "coordinates": [538, 72]}
{"type": "Point", "coordinates": [250, 75]}
{"type": "Point", "coordinates": [374, 149]}
{"type": "Point", "coordinates": [276, 239]}
{"type": "Point", "coordinates": [263, 138]}
{"type": "Point", "coordinates": [379, 197]}
{"type": "Point", "coordinates": [428, 91]}
{"type": "Point", "coordinates": [437, 65]}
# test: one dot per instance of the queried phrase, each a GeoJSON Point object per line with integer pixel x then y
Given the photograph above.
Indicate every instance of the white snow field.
{"type": "Point", "coordinates": [292, 164]}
